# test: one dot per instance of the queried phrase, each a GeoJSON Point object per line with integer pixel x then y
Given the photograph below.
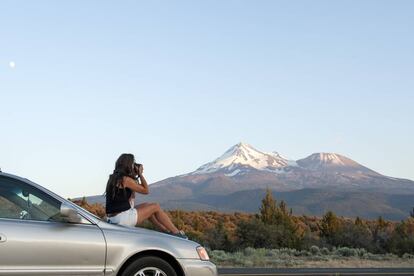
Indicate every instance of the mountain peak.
{"type": "Point", "coordinates": [330, 158]}
{"type": "Point", "coordinates": [242, 144]}
{"type": "Point", "coordinates": [327, 159]}
{"type": "Point", "coordinates": [331, 161]}
{"type": "Point", "coordinates": [246, 156]}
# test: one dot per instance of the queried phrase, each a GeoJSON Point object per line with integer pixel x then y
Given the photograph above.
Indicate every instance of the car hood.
{"type": "Point", "coordinates": [138, 239]}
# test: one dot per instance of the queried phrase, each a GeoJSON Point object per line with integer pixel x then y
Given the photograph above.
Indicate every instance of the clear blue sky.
{"type": "Point", "coordinates": [179, 82]}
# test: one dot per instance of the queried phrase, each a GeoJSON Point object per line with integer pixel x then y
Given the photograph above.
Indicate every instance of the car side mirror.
{"type": "Point", "coordinates": [70, 214]}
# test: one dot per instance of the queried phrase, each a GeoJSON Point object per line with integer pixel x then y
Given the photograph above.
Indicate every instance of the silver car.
{"type": "Point", "coordinates": [44, 234]}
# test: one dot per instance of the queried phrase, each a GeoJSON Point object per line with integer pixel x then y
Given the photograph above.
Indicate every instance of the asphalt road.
{"type": "Point", "coordinates": [314, 271]}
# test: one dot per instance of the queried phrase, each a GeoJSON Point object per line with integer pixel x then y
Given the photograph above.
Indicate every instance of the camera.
{"type": "Point", "coordinates": [136, 168]}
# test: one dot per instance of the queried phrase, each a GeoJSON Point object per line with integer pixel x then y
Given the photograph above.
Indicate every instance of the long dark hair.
{"type": "Point", "coordinates": [123, 167]}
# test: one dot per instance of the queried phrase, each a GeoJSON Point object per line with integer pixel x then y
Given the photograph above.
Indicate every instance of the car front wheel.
{"type": "Point", "coordinates": [149, 266]}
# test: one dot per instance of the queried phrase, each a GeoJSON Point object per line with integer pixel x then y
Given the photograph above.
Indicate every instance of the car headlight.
{"type": "Point", "coordinates": [202, 253]}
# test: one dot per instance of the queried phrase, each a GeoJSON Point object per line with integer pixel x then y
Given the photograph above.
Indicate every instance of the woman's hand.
{"type": "Point", "coordinates": [139, 169]}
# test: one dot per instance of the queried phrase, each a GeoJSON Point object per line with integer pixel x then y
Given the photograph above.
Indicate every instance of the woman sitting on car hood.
{"type": "Point", "coordinates": [126, 180]}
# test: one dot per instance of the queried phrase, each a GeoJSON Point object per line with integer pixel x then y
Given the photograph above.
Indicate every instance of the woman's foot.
{"type": "Point", "coordinates": [179, 234]}
{"type": "Point", "coordinates": [182, 235]}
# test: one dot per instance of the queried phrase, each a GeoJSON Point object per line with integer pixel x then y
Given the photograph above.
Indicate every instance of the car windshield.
{"type": "Point", "coordinates": [66, 201]}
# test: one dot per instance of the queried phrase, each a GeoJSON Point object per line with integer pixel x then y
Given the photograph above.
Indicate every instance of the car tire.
{"type": "Point", "coordinates": [149, 265]}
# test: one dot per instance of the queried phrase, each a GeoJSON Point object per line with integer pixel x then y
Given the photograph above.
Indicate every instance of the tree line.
{"type": "Point", "coordinates": [274, 226]}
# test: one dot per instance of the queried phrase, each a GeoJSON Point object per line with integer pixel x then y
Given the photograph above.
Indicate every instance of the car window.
{"type": "Point", "coordinates": [9, 209]}
{"type": "Point", "coordinates": [19, 200]}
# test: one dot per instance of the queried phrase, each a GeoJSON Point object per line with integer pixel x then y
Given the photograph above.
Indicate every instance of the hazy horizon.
{"type": "Point", "coordinates": [178, 83]}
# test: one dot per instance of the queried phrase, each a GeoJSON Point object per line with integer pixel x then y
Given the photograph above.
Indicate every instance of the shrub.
{"type": "Point", "coordinates": [361, 251]}
{"type": "Point", "coordinates": [325, 251]}
{"type": "Point", "coordinates": [254, 233]}
{"type": "Point", "coordinates": [402, 239]}
{"type": "Point", "coordinates": [249, 251]}
{"type": "Point", "coordinates": [218, 255]}
{"type": "Point", "coordinates": [354, 235]}
{"type": "Point", "coordinates": [315, 250]}
{"type": "Point", "coordinates": [302, 253]}
{"type": "Point", "coordinates": [273, 253]}
{"type": "Point", "coordinates": [346, 252]}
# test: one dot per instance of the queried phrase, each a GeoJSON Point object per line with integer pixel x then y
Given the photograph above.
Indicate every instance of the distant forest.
{"type": "Point", "coordinates": [276, 227]}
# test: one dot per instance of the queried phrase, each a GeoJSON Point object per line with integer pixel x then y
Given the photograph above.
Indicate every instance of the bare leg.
{"type": "Point", "coordinates": [153, 218]}
{"type": "Point", "coordinates": [148, 210]}
{"type": "Point", "coordinates": [158, 224]}
{"type": "Point", "coordinates": [163, 218]}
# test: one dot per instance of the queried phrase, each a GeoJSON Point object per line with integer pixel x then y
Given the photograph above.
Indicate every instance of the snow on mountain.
{"type": "Point", "coordinates": [244, 156]}
{"type": "Point", "coordinates": [332, 161]}
{"type": "Point", "coordinates": [327, 159]}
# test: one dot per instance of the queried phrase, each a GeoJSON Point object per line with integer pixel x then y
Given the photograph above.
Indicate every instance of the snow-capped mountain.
{"type": "Point", "coordinates": [242, 157]}
{"type": "Point", "coordinates": [243, 167]}
{"type": "Point", "coordinates": [312, 185]}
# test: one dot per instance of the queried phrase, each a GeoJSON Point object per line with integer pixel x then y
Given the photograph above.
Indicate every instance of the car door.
{"type": "Point", "coordinates": [36, 240]}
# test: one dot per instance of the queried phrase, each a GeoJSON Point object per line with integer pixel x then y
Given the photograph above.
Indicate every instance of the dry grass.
{"type": "Point", "coordinates": [291, 258]}
{"type": "Point", "coordinates": [357, 263]}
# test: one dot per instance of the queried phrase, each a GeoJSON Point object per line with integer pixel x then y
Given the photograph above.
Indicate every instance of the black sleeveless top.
{"type": "Point", "coordinates": [118, 202]}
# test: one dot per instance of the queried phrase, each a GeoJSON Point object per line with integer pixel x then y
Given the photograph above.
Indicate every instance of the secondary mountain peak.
{"type": "Point", "coordinates": [331, 158]}
{"type": "Point", "coordinates": [243, 155]}
{"type": "Point", "coordinates": [332, 161]}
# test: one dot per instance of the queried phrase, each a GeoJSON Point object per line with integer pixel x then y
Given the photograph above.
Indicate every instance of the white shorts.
{"type": "Point", "coordinates": [126, 218]}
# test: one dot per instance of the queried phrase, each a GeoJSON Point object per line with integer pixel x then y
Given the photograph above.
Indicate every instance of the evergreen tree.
{"type": "Point", "coordinates": [268, 209]}
{"type": "Point", "coordinates": [84, 201]}
{"type": "Point", "coordinates": [353, 234]}
{"type": "Point", "coordinates": [402, 239]}
{"type": "Point", "coordinates": [412, 213]}
{"type": "Point", "coordinates": [217, 238]}
{"type": "Point", "coordinates": [381, 223]}
{"type": "Point", "coordinates": [381, 235]}
{"type": "Point", "coordinates": [329, 227]}
{"type": "Point", "coordinates": [283, 208]}
{"type": "Point", "coordinates": [358, 222]}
